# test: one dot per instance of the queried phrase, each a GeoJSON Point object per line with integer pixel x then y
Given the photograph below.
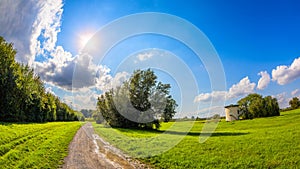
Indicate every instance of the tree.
{"type": "Point", "coordinates": [22, 94]}
{"type": "Point", "coordinates": [140, 102]}
{"type": "Point", "coordinates": [254, 105]}
{"type": "Point", "coordinates": [87, 113]}
{"type": "Point", "coordinates": [294, 103]}
{"type": "Point", "coordinates": [271, 107]}
{"type": "Point", "coordinates": [169, 110]}
{"type": "Point", "coordinates": [250, 106]}
{"type": "Point", "coordinates": [8, 77]}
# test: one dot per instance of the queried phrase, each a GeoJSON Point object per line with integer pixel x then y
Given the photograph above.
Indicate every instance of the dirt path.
{"type": "Point", "coordinates": [89, 151]}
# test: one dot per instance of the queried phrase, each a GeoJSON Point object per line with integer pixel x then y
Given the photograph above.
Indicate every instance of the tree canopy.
{"type": "Point", "coordinates": [294, 103]}
{"type": "Point", "coordinates": [140, 102]}
{"type": "Point", "coordinates": [22, 94]}
{"type": "Point", "coordinates": [254, 105]}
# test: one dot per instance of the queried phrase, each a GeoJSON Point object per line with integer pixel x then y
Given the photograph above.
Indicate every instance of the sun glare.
{"type": "Point", "coordinates": [84, 38]}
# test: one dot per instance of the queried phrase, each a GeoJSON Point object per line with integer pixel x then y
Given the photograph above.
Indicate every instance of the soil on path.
{"type": "Point", "coordinates": [89, 151]}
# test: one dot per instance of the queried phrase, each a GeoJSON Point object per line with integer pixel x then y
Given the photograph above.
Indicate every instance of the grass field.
{"type": "Point", "coordinates": [272, 142]}
{"type": "Point", "coordinates": [35, 145]}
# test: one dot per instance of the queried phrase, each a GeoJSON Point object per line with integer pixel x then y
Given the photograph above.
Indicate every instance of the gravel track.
{"type": "Point", "coordinates": [89, 151]}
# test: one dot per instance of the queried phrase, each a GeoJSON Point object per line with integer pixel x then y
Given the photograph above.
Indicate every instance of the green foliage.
{"type": "Point", "coordinates": [294, 103]}
{"type": "Point", "coordinates": [271, 142]}
{"type": "Point", "coordinates": [98, 117]}
{"type": "Point", "coordinates": [22, 94]}
{"type": "Point", "coordinates": [87, 113]}
{"type": "Point", "coordinates": [254, 105]}
{"type": "Point", "coordinates": [141, 102]}
{"type": "Point", "coordinates": [35, 145]}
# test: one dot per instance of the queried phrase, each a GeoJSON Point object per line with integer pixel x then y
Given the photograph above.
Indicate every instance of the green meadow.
{"type": "Point", "coordinates": [33, 145]}
{"type": "Point", "coordinates": [272, 142]}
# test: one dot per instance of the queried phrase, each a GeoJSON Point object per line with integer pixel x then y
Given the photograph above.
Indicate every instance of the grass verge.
{"type": "Point", "coordinates": [272, 142]}
{"type": "Point", "coordinates": [35, 145]}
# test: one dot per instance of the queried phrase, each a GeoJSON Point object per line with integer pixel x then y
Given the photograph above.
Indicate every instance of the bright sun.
{"type": "Point", "coordinates": [84, 38]}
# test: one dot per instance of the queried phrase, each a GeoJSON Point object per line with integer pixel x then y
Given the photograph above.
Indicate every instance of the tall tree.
{"type": "Point", "coordinates": [141, 102]}
{"type": "Point", "coordinates": [8, 85]}
{"type": "Point", "coordinates": [22, 93]}
{"type": "Point", "coordinates": [271, 107]}
{"type": "Point", "coordinates": [294, 103]}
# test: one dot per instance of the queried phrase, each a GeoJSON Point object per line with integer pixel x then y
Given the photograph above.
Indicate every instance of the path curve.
{"type": "Point", "coordinates": [89, 151]}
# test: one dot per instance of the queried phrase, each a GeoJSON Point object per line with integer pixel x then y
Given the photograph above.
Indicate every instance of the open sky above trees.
{"type": "Point", "coordinates": [257, 43]}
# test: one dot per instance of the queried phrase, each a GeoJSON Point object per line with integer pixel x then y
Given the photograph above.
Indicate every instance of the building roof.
{"type": "Point", "coordinates": [232, 105]}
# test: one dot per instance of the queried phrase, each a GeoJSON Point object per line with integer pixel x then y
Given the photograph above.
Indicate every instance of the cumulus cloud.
{"type": "Point", "coordinates": [285, 74]}
{"type": "Point", "coordinates": [117, 80]}
{"type": "Point", "coordinates": [31, 25]}
{"type": "Point", "coordinates": [282, 99]}
{"type": "Point", "coordinates": [237, 90]}
{"type": "Point", "coordinates": [106, 81]}
{"type": "Point", "coordinates": [17, 18]}
{"type": "Point", "coordinates": [85, 98]}
{"type": "Point", "coordinates": [264, 80]}
{"type": "Point", "coordinates": [46, 27]}
{"type": "Point", "coordinates": [59, 71]}
{"type": "Point", "coordinates": [240, 89]}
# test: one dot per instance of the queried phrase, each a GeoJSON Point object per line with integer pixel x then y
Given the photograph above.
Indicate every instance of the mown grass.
{"type": "Point", "coordinates": [35, 145]}
{"type": "Point", "coordinates": [272, 142]}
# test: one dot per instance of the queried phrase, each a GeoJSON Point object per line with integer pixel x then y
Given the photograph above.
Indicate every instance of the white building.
{"type": "Point", "coordinates": [232, 112]}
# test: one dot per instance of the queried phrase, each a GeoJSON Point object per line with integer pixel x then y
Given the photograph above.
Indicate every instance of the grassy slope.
{"type": "Point", "coordinates": [272, 142]}
{"type": "Point", "coordinates": [35, 145]}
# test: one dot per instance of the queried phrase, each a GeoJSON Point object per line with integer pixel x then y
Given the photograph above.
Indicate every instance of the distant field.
{"type": "Point", "coordinates": [35, 145]}
{"type": "Point", "coordinates": [272, 142]}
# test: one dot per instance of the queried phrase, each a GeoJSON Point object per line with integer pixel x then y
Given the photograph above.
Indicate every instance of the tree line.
{"type": "Point", "coordinates": [23, 97]}
{"type": "Point", "coordinates": [294, 104]}
{"type": "Point", "coordinates": [254, 105]}
{"type": "Point", "coordinates": [140, 102]}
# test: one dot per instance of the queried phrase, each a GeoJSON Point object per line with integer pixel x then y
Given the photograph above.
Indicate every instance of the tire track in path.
{"type": "Point", "coordinates": [89, 151]}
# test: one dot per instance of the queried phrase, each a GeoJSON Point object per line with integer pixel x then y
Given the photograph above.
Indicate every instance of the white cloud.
{"type": "Point", "coordinates": [119, 79]}
{"type": "Point", "coordinates": [240, 89]}
{"type": "Point", "coordinates": [206, 97]}
{"type": "Point", "coordinates": [31, 25]}
{"type": "Point", "coordinates": [285, 74]}
{"type": "Point", "coordinates": [49, 90]}
{"type": "Point", "coordinates": [105, 81]}
{"type": "Point", "coordinates": [295, 92]}
{"type": "Point", "coordinates": [46, 27]}
{"type": "Point", "coordinates": [282, 99]}
{"type": "Point", "coordinates": [57, 70]}
{"type": "Point", "coordinates": [16, 22]}
{"type": "Point", "coordinates": [264, 80]}
{"type": "Point", "coordinates": [237, 90]}
{"type": "Point", "coordinates": [84, 98]}
{"type": "Point", "coordinates": [145, 56]}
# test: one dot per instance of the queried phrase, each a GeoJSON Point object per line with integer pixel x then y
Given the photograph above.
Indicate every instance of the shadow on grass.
{"type": "Point", "coordinates": [11, 123]}
{"type": "Point", "coordinates": [214, 134]}
{"type": "Point", "coordinates": [5, 124]}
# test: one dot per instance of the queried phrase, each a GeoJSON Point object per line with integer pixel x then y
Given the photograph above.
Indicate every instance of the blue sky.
{"type": "Point", "coordinates": [257, 42]}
